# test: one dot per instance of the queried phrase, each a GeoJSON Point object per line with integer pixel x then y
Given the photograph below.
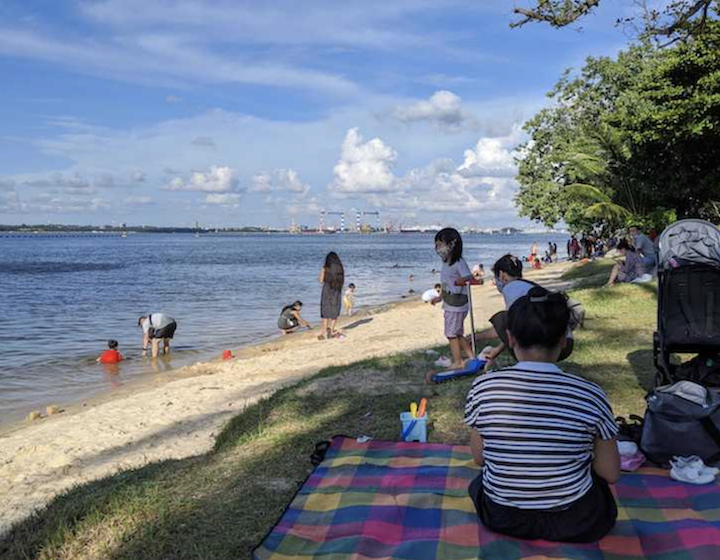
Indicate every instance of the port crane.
{"type": "Point", "coordinates": [321, 226]}
{"type": "Point", "coordinates": [360, 213]}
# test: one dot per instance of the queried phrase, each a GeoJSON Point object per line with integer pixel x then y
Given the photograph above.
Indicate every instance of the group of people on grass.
{"type": "Point", "coordinates": [640, 258]}
{"type": "Point", "coordinates": [546, 439]}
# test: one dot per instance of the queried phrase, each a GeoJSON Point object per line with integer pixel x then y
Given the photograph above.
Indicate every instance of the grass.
{"type": "Point", "coordinates": [219, 505]}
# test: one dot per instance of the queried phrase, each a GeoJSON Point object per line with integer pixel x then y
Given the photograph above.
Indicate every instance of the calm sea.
{"type": "Point", "coordinates": [62, 298]}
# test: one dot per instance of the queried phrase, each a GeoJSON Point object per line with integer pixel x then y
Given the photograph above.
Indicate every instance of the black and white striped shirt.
{"type": "Point", "coordinates": [538, 425]}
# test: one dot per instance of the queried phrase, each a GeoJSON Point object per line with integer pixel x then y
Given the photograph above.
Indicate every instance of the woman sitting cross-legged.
{"type": "Point", "coordinates": [628, 270]}
{"type": "Point", "coordinates": [545, 438]}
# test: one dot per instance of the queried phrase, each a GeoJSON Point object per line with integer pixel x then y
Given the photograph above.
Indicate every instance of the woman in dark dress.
{"type": "Point", "coordinates": [332, 277]}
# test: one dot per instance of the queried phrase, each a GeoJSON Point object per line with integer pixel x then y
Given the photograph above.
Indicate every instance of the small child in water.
{"type": "Point", "coordinates": [111, 355]}
{"type": "Point", "coordinates": [349, 299]}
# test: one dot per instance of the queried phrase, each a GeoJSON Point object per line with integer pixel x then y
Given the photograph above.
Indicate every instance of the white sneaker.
{"type": "Point", "coordinates": [695, 462]}
{"type": "Point", "coordinates": [691, 475]}
{"type": "Point", "coordinates": [443, 362]}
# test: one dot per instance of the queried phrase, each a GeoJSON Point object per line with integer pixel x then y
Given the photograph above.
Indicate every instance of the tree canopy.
{"type": "Point", "coordinates": [636, 137]}
{"type": "Point", "coordinates": [675, 20]}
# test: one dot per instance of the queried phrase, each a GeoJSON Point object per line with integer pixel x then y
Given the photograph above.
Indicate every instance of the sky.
{"type": "Point", "coordinates": [232, 113]}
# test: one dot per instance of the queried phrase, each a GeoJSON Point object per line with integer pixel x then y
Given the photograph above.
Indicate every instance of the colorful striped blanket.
{"type": "Point", "coordinates": [409, 501]}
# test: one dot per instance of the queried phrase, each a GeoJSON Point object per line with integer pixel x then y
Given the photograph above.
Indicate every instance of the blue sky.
{"type": "Point", "coordinates": [234, 113]}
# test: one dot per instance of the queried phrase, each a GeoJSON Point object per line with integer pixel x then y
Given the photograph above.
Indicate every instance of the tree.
{"type": "Point", "coordinates": [677, 20]}
{"type": "Point", "coordinates": [640, 132]}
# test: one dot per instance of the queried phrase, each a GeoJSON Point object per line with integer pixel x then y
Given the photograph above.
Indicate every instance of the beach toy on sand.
{"type": "Point", "coordinates": [227, 355]}
{"type": "Point", "coordinates": [474, 365]}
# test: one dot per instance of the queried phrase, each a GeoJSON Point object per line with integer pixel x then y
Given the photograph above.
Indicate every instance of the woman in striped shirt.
{"type": "Point", "coordinates": [545, 438]}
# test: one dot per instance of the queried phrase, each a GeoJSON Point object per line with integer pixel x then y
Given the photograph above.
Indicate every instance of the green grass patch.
{"type": "Point", "coordinates": [220, 504]}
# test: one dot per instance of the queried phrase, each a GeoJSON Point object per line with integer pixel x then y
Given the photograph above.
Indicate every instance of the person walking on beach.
{"type": "Point", "coordinates": [157, 327]}
{"type": "Point", "coordinates": [454, 279]}
{"type": "Point", "coordinates": [332, 278]}
{"type": "Point", "coordinates": [290, 318]}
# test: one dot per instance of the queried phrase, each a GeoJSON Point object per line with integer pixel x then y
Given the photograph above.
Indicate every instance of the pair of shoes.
{"type": "Point", "coordinates": [692, 470]}
{"type": "Point", "coordinates": [693, 461]}
{"type": "Point", "coordinates": [443, 362]}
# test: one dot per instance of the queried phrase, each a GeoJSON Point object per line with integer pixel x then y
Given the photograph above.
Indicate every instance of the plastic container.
{"type": "Point", "coordinates": [418, 431]}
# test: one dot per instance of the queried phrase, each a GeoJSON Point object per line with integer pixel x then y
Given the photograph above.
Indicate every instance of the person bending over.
{"type": "Point", "coordinates": [290, 318]}
{"type": "Point", "coordinates": [508, 272]}
{"type": "Point", "coordinates": [544, 437]}
{"type": "Point", "coordinates": [157, 327]}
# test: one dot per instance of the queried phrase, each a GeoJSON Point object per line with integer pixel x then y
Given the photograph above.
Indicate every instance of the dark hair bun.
{"type": "Point", "coordinates": [508, 264]}
{"type": "Point", "coordinates": [539, 318]}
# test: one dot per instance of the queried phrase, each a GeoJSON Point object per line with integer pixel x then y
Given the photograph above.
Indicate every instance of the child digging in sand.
{"type": "Point", "coordinates": [545, 438]}
{"type": "Point", "coordinates": [454, 278]}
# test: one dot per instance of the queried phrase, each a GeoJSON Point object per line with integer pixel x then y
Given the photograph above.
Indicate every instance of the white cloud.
{"type": "Point", "coordinates": [226, 199]}
{"type": "Point", "coordinates": [491, 157]}
{"type": "Point", "coordinates": [216, 180]}
{"type": "Point", "coordinates": [279, 180]}
{"type": "Point", "coordinates": [482, 182]}
{"type": "Point", "coordinates": [203, 142]}
{"type": "Point", "coordinates": [139, 201]}
{"type": "Point", "coordinates": [443, 109]}
{"type": "Point", "coordinates": [173, 99]}
{"type": "Point", "coordinates": [138, 176]}
{"type": "Point", "coordinates": [165, 60]}
{"type": "Point", "coordinates": [364, 167]}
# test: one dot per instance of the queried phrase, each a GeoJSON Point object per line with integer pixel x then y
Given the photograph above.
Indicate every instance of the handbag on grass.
{"type": "Point", "coordinates": [682, 419]}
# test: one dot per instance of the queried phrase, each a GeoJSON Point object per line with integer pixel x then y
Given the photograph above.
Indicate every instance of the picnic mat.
{"type": "Point", "coordinates": [385, 499]}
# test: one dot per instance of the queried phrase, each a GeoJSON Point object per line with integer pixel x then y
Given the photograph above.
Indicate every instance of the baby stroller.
{"type": "Point", "coordinates": [688, 296]}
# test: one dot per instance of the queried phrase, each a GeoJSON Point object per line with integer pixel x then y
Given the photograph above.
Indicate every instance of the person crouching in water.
{"type": "Point", "coordinates": [290, 318]}
{"type": "Point", "coordinates": [157, 327]}
{"type": "Point", "coordinates": [545, 438]}
{"type": "Point", "coordinates": [454, 280]}
{"type": "Point", "coordinates": [111, 355]}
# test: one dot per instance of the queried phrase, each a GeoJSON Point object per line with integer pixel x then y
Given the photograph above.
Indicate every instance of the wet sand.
{"type": "Point", "coordinates": [174, 419]}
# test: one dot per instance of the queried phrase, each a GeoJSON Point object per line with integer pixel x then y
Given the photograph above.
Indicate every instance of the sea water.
{"type": "Point", "coordinates": [63, 297]}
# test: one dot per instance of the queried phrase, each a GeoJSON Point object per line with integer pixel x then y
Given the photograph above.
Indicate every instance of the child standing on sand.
{"type": "Point", "coordinates": [454, 280]}
{"type": "Point", "coordinates": [349, 299]}
{"type": "Point", "coordinates": [111, 355]}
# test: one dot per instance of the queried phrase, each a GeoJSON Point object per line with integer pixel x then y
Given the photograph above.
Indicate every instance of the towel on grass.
{"type": "Point", "coordinates": [409, 501]}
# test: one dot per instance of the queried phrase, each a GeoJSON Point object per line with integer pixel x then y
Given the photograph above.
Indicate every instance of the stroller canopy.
{"type": "Point", "coordinates": [689, 241]}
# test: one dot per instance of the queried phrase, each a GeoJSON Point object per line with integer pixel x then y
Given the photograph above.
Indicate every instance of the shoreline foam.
{"type": "Point", "coordinates": [181, 417]}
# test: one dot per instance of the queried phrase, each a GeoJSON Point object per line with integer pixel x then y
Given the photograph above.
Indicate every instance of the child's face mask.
{"type": "Point", "coordinates": [499, 284]}
{"type": "Point", "coordinates": [444, 250]}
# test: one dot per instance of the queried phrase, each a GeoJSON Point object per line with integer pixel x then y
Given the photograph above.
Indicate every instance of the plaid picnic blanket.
{"type": "Point", "coordinates": [409, 501]}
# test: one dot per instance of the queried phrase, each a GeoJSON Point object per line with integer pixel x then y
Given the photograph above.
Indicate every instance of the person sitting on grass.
{"type": "Point", "coordinates": [546, 439]}
{"type": "Point", "coordinates": [628, 270]}
{"type": "Point", "coordinates": [508, 278]}
{"type": "Point", "coordinates": [111, 355]}
{"type": "Point", "coordinates": [290, 318]}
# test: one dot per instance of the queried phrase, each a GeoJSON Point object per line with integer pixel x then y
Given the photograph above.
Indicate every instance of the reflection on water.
{"type": "Point", "coordinates": [61, 299]}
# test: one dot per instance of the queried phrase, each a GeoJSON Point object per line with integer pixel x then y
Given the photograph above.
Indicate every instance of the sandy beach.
{"type": "Point", "coordinates": [42, 458]}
